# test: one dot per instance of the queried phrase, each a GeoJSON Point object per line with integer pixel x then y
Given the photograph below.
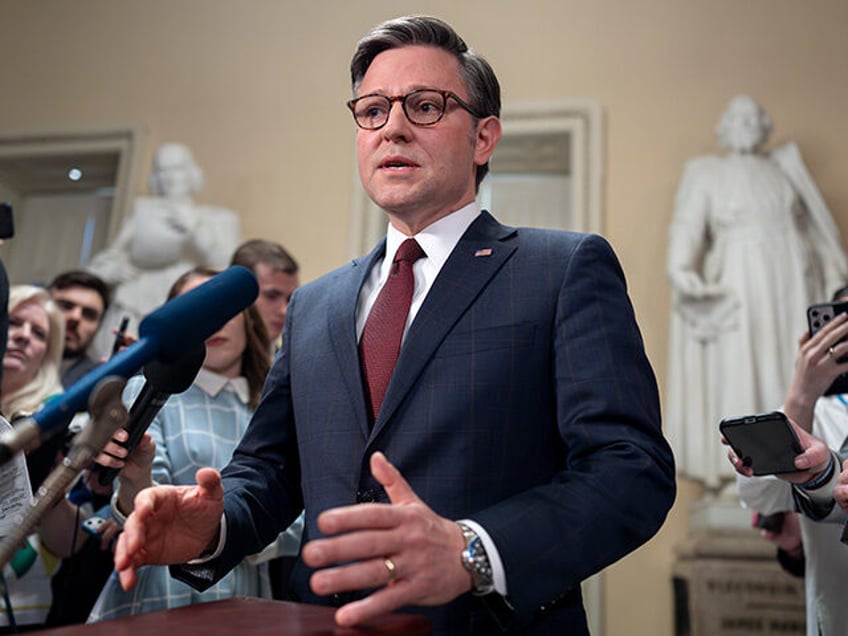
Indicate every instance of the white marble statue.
{"type": "Point", "coordinates": [165, 235]}
{"type": "Point", "coordinates": [751, 245]}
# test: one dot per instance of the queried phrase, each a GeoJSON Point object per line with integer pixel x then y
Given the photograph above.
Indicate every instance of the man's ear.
{"type": "Point", "coordinates": [487, 137]}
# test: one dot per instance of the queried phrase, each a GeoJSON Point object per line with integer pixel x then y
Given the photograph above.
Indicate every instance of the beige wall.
{"type": "Point", "coordinates": [256, 89]}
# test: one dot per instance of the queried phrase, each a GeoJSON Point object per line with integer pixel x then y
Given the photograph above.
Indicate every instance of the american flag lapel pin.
{"type": "Point", "coordinates": [486, 251]}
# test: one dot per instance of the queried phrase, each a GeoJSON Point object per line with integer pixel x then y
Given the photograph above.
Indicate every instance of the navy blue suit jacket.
{"type": "Point", "coordinates": [522, 399]}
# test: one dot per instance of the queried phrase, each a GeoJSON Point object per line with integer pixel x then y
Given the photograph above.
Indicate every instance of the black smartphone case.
{"type": "Point", "coordinates": [766, 442]}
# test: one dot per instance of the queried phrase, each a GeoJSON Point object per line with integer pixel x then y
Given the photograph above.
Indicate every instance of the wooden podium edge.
{"type": "Point", "coordinates": [246, 616]}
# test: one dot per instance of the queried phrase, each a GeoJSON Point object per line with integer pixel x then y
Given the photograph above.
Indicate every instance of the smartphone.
{"type": "Point", "coordinates": [92, 524]}
{"type": "Point", "coordinates": [766, 442]}
{"type": "Point", "coordinates": [817, 317]}
{"type": "Point", "coordinates": [772, 522]}
{"type": "Point", "coordinates": [119, 337]}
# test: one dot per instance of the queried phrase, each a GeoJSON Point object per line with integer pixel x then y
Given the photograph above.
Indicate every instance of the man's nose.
{"type": "Point", "coordinates": [397, 123]}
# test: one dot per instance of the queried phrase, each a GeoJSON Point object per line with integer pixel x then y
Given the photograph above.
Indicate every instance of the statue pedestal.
{"type": "Point", "coordinates": [727, 582]}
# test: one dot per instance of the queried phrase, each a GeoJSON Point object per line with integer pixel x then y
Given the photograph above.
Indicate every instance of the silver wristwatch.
{"type": "Point", "coordinates": [476, 561]}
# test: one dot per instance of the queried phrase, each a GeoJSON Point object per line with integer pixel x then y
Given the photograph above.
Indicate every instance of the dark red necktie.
{"type": "Point", "coordinates": [379, 345]}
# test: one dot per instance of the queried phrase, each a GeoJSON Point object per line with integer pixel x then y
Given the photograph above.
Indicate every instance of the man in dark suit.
{"type": "Point", "coordinates": [516, 447]}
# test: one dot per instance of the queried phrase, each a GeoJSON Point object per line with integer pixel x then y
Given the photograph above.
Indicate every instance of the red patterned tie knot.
{"type": "Point", "coordinates": [408, 252]}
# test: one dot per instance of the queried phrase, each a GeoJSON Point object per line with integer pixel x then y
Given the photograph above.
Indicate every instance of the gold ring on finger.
{"type": "Point", "coordinates": [392, 568]}
{"type": "Point", "coordinates": [830, 353]}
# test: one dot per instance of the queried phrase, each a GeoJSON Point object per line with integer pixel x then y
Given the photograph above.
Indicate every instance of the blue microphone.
{"type": "Point", "coordinates": [168, 333]}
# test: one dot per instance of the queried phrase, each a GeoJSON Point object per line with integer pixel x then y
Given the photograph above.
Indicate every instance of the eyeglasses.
{"type": "Point", "coordinates": [422, 107]}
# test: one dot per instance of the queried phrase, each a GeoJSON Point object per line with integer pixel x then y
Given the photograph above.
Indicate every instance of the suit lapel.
{"type": "Point", "coordinates": [342, 327]}
{"type": "Point", "coordinates": [478, 255]}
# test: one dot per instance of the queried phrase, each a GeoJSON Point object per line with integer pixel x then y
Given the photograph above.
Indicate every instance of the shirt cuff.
{"type": "Point", "coordinates": [222, 539]}
{"type": "Point", "coordinates": [117, 515]}
{"type": "Point", "coordinates": [498, 574]}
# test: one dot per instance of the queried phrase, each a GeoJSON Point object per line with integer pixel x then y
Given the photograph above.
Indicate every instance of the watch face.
{"type": "Point", "coordinates": [476, 561]}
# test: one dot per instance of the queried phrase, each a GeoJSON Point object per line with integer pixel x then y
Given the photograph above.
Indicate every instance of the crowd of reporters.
{"type": "Point", "coordinates": [61, 571]}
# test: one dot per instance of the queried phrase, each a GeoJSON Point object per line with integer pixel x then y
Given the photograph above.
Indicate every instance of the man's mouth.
{"type": "Point", "coordinates": [397, 163]}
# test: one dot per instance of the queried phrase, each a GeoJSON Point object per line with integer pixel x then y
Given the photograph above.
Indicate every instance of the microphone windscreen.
{"type": "Point", "coordinates": [170, 332]}
{"type": "Point", "coordinates": [176, 376]}
{"type": "Point", "coordinates": [192, 317]}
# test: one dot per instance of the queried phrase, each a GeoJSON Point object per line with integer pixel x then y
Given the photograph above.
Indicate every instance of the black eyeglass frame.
{"type": "Point", "coordinates": [351, 104]}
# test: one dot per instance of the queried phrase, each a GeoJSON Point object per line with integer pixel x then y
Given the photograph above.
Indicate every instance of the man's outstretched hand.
{"type": "Point", "coordinates": [170, 524]}
{"type": "Point", "coordinates": [422, 548]}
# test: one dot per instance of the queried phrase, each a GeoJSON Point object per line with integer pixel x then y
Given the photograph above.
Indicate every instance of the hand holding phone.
{"type": "Point", "coordinates": [93, 523]}
{"type": "Point", "coordinates": [103, 526]}
{"type": "Point", "coordinates": [765, 442]}
{"type": "Point", "coordinates": [772, 522]}
{"type": "Point", "coordinates": [819, 316]}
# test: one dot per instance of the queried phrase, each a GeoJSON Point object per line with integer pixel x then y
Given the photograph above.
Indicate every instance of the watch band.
{"type": "Point", "coordinates": [476, 561]}
{"type": "Point", "coordinates": [822, 479]}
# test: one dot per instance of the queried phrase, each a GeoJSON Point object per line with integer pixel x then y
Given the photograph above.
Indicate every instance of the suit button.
{"type": "Point", "coordinates": [366, 496]}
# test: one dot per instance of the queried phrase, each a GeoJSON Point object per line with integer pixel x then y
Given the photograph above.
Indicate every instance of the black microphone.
{"type": "Point", "coordinates": [167, 333]}
{"type": "Point", "coordinates": [162, 380]}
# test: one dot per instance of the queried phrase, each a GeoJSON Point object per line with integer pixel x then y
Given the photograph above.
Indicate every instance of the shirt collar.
{"type": "Point", "coordinates": [437, 239]}
{"type": "Point", "coordinates": [212, 384]}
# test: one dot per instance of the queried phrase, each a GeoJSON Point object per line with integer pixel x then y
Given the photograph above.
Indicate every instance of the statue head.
{"type": "Point", "coordinates": [744, 126]}
{"type": "Point", "coordinates": [175, 174]}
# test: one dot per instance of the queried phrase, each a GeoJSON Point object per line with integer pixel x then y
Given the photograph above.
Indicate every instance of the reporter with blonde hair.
{"type": "Point", "coordinates": [30, 377]}
{"type": "Point", "coordinates": [33, 351]}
